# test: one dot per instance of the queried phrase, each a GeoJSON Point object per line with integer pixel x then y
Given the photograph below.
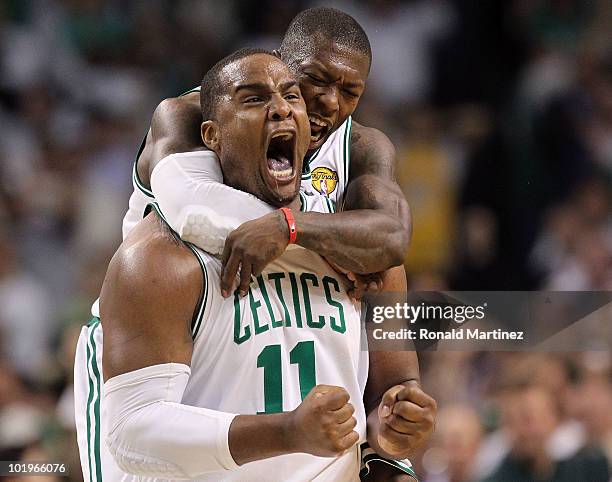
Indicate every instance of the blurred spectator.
{"type": "Point", "coordinates": [455, 446]}
{"type": "Point", "coordinates": [402, 35]}
{"type": "Point", "coordinates": [592, 399]}
{"type": "Point", "coordinates": [574, 250]}
{"type": "Point", "coordinates": [429, 171]}
{"type": "Point", "coordinates": [540, 447]}
{"type": "Point", "coordinates": [26, 325]}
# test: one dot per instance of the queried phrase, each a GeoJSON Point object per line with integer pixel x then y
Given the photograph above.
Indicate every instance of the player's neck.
{"type": "Point", "coordinates": [295, 204]}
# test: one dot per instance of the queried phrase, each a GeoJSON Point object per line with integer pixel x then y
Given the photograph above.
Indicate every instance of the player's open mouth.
{"type": "Point", "coordinates": [318, 130]}
{"type": "Point", "coordinates": [280, 154]}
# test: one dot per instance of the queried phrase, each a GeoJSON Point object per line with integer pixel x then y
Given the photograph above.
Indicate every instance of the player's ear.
{"type": "Point", "coordinates": [210, 135]}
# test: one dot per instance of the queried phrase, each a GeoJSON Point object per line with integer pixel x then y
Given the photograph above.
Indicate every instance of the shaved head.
{"type": "Point", "coordinates": [322, 25]}
{"type": "Point", "coordinates": [213, 88]}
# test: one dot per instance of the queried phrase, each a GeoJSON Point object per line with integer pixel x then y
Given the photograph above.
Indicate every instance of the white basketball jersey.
{"type": "Point", "coordinates": [325, 173]}
{"type": "Point", "coordinates": [295, 329]}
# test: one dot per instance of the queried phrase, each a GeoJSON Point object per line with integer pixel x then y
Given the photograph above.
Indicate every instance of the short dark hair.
{"type": "Point", "coordinates": [328, 24]}
{"type": "Point", "coordinates": [211, 88]}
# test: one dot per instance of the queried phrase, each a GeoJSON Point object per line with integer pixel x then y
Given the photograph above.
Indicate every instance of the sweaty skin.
{"type": "Point", "coordinates": [374, 202]}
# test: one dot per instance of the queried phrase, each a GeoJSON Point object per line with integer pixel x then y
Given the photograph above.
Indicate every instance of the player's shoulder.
{"type": "Point", "coordinates": [372, 152]}
{"type": "Point", "coordinates": [364, 137]}
{"type": "Point", "coordinates": [153, 260]}
{"type": "Point", "coordinates": [173, 109]}
{"type": "Point", "coordinates": [175, 127]}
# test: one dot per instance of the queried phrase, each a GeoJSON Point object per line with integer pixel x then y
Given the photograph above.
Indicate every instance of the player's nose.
{"type": "Point", "coordinates": [328, 101]}
{"type": "Point", "coordinates": [279, 110]}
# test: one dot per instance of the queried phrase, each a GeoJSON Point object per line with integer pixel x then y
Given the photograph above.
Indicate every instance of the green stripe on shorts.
{"type": "Point", "coordinates": [93, 405]}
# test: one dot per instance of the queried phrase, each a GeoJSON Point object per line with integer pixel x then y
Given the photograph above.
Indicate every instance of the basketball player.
{"type": "Point", "coordinates": [294, 343]}
{"type": "Point", "coordinates": [372, 243]}
{"type": "Point", "coordinates": [330, 54]}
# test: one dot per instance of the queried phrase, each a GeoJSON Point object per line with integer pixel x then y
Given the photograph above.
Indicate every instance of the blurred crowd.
{"type": "Point", "coordinates": [501, 112]}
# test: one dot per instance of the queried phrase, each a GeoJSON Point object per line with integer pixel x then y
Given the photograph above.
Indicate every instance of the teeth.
{"type": "Point", "coordinates": [282, 174]}
{"type": "Point", "coordinates": [315, 138]}
{"type": "Point", "coordinates": [283, 135]}
{"type": "Point", "coordinates": [316, 121]}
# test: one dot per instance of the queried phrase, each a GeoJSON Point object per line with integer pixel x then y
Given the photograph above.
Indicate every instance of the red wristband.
{"type": "Point", "coordinates": [291, 224]}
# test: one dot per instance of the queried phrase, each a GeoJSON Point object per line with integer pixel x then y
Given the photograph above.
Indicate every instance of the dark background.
{"type": "Point", "coordinates": [501, 112]}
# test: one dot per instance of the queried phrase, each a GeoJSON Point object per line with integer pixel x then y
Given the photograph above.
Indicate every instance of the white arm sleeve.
{"type": "Point", "coordinates": [150, 433]}
{"type": "Point", "coordinates": [188, 187]}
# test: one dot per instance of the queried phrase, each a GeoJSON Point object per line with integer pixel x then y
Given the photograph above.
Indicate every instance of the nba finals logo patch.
{"type": "Point", "coordinates": [324, 180]}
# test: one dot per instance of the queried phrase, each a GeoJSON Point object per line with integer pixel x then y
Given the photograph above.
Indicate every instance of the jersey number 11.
{"type": "Point", "coordinates": [303, 355]}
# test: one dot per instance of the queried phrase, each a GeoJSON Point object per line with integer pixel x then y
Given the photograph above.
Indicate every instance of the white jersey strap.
{"type": "Point", "coordinates": [346, 151]}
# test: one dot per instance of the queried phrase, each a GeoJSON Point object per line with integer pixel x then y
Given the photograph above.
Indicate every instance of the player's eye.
{"type": "Point", "coordinates": [350, 93]}
{"type": "Point", "coordinates": [316, 80]}
{"type": "Point", "coordinates": [292, 96]}
{"type": "Point", "coordinates": [253, 99]}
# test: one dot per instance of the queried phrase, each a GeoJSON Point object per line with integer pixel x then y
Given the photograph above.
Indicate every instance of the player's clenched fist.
{"type": "Point", "coordinates": [407, 416]}
{"type": "Point", "coordinates": [323, 423]}
{"type": "Point", "coordinates": [250, 248]}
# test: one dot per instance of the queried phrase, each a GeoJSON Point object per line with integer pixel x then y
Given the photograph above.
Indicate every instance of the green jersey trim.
{"type": "Point", "coordinates": [306, 174]}
{"type": "Point", "coordinates": [197, 322]}
{"type": "Point", "coordinates": [368, 457]}
{"type": "Point", "coordinates": [347, 150]}
{"type": "Point", "coordinates": [93, 405]}
{"type": "Point", "coordinates": [135, 179]}
{"type": "Point", "coordinates": [201, 306]}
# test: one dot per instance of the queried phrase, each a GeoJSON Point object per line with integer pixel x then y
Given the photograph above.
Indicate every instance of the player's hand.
{"type": "Point", "coordinates": [250, 247]}
{"type": "Point", "coordinates": [323, 423]}
{"type": "Point", "coordinates": [407, 418]}
{"type": "Point", "coordinates": [362, 283]}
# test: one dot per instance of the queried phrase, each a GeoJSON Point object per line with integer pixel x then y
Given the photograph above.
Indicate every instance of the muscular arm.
{"type": "Point", "coordinates": [147, 303]}
{"type": "Point", "coordinates": [373, 232]}
{"type": "Point", "coordinates": [175, 127]}
{"type": "Point", "coordinates": [394, 382]}
{"type": "Point", "coordinates": [370, 236]}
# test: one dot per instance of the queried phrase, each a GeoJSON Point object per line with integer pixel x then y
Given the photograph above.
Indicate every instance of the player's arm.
{"type": "Point", "coordinates": [400, 415]}
{"type": "Point", "coordinates": [370, 236]}
{"type": "Point", "coordinates": [186, 180]}
{"type": "Point", "coordinates": [148, 300]}
{"type": "Point", "coordinates": [373, 232]}
{"type": "Point", "coordinates": [175, 127]}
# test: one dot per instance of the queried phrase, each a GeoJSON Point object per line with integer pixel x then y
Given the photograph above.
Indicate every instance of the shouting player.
{"type": "Point", "coordinates": [349, 167]}
{"type": "Point", "coordinates": [180, 361]}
